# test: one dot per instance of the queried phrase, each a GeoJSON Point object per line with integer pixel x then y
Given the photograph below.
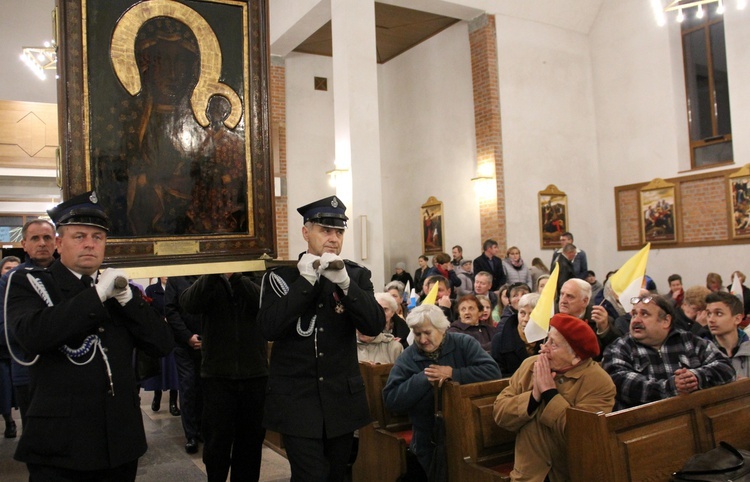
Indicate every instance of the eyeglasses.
{"type": "Point", "coordinates": [641, 299]}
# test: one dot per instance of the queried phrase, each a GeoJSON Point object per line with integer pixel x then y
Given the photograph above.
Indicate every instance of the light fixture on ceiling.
{"type": "Point", "coordinates": [39, 59]}
{"type": "Point", "coordinates": [684, 7]}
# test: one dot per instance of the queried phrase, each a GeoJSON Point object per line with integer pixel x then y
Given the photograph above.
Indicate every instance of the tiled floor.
{"type": "Point", "coordinates": [165, 460]}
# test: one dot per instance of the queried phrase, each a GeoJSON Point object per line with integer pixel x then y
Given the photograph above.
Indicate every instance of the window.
{"type": "Point", "coordinates": [707, 90]}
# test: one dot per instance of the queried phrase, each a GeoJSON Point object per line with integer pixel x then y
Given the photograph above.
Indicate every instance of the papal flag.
{"type": "Point", "coordinates": [431, 297]}
{"type": "Point", "coordinates": [538, 325]}
{"type": "Point", "coordinates": [628, 280]}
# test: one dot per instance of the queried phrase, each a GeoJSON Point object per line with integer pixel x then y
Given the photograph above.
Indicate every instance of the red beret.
{"type": "Point", "coordinates": [578, 334]}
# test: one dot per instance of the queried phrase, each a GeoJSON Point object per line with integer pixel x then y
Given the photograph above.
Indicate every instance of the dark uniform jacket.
{"type": "Point", "coordinates": [232, 346]}
{"type": "Point", "coordinates": [315, 384]}
{"type": "Point", "coordinates": [74, 420]}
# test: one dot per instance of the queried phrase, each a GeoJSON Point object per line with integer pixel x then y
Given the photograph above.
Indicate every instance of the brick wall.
{"type": "Point", "coordinates": [484, 74]}
{"type": "Point", "coordinates": [630, 234]}
{"type": "Point", "coordinates": [704, 210]}
{"type": "Point", "coordinates": [278, 126]}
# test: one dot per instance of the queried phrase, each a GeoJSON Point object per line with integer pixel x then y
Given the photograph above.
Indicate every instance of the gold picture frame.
{"type": "Point", "coordinates": [739, 195]}
{"type": "Point", "coordinates": [658, 201]}
{"type": "Point", "coordinates": [553, 217]}
{"type": "Point", "coordinates": [432, 227]}
{"type": "Point", "coordinates": [164, 113]}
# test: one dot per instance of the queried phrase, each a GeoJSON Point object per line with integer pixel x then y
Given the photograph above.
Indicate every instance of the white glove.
{"type": "Point", "coordinates": [105, 284]}
{"type": "Point", "coordinates": [305, 267]}
{"type": "Point", "coordinates": [338, 276]}
{"type": "Point", "coordinates": [123, 296]}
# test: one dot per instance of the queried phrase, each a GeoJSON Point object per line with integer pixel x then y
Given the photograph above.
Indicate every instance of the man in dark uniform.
{"type": "Point", "coordinates": [187, 331]}
{"type": "Point", "coordinates": [84, 420]}
{"type": "Point", "coordinates": [316, 395]}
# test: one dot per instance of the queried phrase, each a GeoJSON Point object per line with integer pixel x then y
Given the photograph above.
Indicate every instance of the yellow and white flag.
{"type": "Point", "coordinates": [538, 325]}
{"type": "Point", "coordinates": [431, 297]}
{"type": "Point", "coordinates": [627, 282]}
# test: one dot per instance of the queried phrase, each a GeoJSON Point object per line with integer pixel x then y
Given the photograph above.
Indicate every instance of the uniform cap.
{"type": "Point", "coordinates": [83, 209]}
{"type": "Point", "coordinates": [329, 212]}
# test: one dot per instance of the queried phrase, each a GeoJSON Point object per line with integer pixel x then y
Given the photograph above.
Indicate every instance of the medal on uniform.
{"type": "Point", "coordinates": [339, 308]}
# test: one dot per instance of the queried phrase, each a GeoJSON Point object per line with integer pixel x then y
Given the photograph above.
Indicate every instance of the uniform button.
{"type": "Point", "coordinates": [320, 379]}
{"type": "Point", "coordinates": [105, 350]}
{"type": "Point", "coordinates": [109, 392]}
{"type": "Point", "coordinates": [320, 305]}
{"type": "Point", "coordinates": [321, 329]}
{"type": "Point", "coordinates": [321, 354]}
{"type": "Point", "coordinates": [101, 329]}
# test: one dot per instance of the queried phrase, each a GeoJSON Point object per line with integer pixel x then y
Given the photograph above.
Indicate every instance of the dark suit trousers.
{"type": "Point", "coordinates": [188, 363]}
{"type": "Point", "coordinates": [232, 416]}
{"type": "Point", "coordinates": [318, 460]}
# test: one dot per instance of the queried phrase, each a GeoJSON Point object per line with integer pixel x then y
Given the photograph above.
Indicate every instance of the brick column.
{"type": "Point", "coordinates": [484, 74]}
{"type": "Point", "coordinates": [278, 127]}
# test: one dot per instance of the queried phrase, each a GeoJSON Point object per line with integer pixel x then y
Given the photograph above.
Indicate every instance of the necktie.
{"type": "Point", "coordinates": [87, 281]}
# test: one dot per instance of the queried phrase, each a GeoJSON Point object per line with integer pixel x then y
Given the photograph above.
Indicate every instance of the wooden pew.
{"type": "Point", "coordinates": [477, 449]}
{"type": "Point", "coordinates": [382, 443]}
{"type": "Point", "coordinates": [651, 441]}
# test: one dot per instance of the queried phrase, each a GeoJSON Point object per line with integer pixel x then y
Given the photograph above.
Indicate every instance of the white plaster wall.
{"type": "Point", "coordinates": [549, 132]}
{"type": "Point", "coordinates": [25, 23]}
{"type": "Point", "coordinates": [641, 124]}
{"type": "Point", "coordinates": [310, 139]}
{"type": "Point", "coordinates": [428, 145]}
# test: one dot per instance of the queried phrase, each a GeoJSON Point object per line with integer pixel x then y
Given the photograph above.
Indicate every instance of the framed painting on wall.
{"type": "Point", "coordinates": [164, 113]}
{"type": "Point", "coordinates": [432, 227]}
{"type": "Point", "coordinates": [739, 194]}
{"type": "Point", "coordinates": [553, 216]}
{"type": "Point", "coordinates": [657, 209]}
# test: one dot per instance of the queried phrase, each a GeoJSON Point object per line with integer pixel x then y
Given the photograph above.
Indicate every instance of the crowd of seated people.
{"type": "Point", "coordinates": [688, 339]}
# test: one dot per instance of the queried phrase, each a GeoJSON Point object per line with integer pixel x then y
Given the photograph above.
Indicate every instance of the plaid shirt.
{"type": "Point", "coordinates": [643, 374]}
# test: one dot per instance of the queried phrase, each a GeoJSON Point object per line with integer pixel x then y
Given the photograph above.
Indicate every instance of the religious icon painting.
{"type": "Point", "coordinates": [553, 217]}
{"type": "Point", "coordinates": [657, 208]}
{"type": "Point", "coordinates": [165, 115]}
{"type": "Point", "coordinates": [432, 227]}
{"type": "Point", "coordinates": [739, 194]}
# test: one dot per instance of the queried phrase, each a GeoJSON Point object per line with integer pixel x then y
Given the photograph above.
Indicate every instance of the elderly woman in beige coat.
{"type": "Point", "coordinates": [383, 348]}
{"type": "Point", "coordinates": [534, 404]}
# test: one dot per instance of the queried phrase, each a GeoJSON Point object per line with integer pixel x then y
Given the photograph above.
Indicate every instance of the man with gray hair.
{"type": "Point", "coordinates": [482, 285]}
{"type": "Point", "coordinates": [574, 300]}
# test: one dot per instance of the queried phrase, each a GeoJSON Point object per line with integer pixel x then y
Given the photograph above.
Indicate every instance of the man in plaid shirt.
{"type": "Point", "coordinates": [656, 360]}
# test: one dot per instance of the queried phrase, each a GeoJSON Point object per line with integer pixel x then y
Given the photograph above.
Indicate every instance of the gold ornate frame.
{"type": "Point", "coordinates": [658, 212]}
{"type": "Point", "coordinates": [100, 79]}
{"type": "Point", "coordinates": [553, 217]}
{"type": "Point", "coordinates": [432, 226]}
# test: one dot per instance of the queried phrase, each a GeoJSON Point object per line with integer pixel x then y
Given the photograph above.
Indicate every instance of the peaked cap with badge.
{"type": "Point", "coordinates": [83, 209]}
{"type": "Point", "coordinates": [329, 212]}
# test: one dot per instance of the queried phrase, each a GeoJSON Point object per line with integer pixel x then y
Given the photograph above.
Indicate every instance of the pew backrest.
{"type": "Point", "coordinates": [474, 440]}
{"type": "Point", "coordinates": [651, 441]}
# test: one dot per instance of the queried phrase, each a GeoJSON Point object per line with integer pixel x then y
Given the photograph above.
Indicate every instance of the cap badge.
{"type": "Point", "coordinates": [93, 197]}
{"type": "Point", "coordinates": [334, 202]}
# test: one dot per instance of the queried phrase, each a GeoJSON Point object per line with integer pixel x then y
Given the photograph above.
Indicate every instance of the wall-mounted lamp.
{"type": "Point", "coordinates": [484, 186]}
{"type": "Point", "coordinates": [334, 174]}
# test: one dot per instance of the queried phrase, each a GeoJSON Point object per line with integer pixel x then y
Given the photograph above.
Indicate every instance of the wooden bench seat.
{"type": "Point", "coordinates": [651, 441]}
{"type": "Point", "coordinates": [477, 448]}
{"type": "Point", "coordinates": [382, 443]}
